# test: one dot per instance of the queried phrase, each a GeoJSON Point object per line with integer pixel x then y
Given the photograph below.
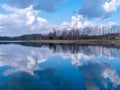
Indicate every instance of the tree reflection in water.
{"type": "Point", "coordinates": [26, 72]}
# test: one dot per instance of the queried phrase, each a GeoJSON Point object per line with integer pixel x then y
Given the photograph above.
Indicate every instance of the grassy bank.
{"type": "Point", "coordinates": [91, 42]}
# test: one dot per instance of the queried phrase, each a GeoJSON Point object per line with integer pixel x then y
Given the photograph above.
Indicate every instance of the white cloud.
{"type": "Point", "coordinates": [76, 23]}
{"type": "Point", "coordinates": [111, 6]}
{"type": "Point", "coordinates": [28, 21]}
{"type": "Point", "coordinates": [22, 21]}
{"type": "Point", "coordinates": [100, 9]}
{"type": "Point", "coordinates": [91, 27]}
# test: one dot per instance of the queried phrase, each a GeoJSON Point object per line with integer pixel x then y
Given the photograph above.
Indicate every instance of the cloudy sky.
{"type": "Point", "coordinates": [19, 17]}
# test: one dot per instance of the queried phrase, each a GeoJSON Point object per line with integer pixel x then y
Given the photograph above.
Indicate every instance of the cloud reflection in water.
{"type": "Point", "coordinates": [97, 72]}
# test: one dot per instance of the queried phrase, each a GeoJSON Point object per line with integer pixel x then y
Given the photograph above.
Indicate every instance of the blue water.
{"type": "Point", "coordinates": [59, 67]}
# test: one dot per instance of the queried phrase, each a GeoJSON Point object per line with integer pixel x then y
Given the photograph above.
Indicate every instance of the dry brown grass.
{"type": "Point", "coordinates": [94, 42]}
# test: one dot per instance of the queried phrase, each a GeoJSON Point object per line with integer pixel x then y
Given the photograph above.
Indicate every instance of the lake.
{"type": "Point", "coordinates": [36, 66]}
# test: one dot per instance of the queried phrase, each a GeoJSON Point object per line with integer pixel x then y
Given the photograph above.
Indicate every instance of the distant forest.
{"type": "Point", "coordinates": [73, 34]}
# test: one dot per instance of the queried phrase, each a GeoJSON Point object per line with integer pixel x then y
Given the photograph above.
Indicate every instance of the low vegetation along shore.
{"type": "Point", "coordinates": [90, 42]}
{"type": "Point", "coordinates": [86, 41]}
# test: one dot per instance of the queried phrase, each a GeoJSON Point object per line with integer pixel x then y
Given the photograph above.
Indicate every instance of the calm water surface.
{"type": "Point", "coordinates": [31, 66]}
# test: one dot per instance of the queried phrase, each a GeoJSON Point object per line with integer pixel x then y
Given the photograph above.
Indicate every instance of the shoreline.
{"type": "Point", "coordinates": [87, 42]}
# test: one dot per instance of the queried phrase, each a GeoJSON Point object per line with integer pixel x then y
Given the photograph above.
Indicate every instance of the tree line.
{"type": "Point", "coordinates": [73, 34]}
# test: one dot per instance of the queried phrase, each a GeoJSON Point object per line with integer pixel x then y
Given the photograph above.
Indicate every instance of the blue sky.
{"type": "Point", "coordinates": [69, 8]}
{"type": "Point", "coordinates": [44, 15]}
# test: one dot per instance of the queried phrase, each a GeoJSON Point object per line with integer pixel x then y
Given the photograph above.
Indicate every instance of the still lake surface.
{"type": "Point", "coordinates": [35, 66]}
